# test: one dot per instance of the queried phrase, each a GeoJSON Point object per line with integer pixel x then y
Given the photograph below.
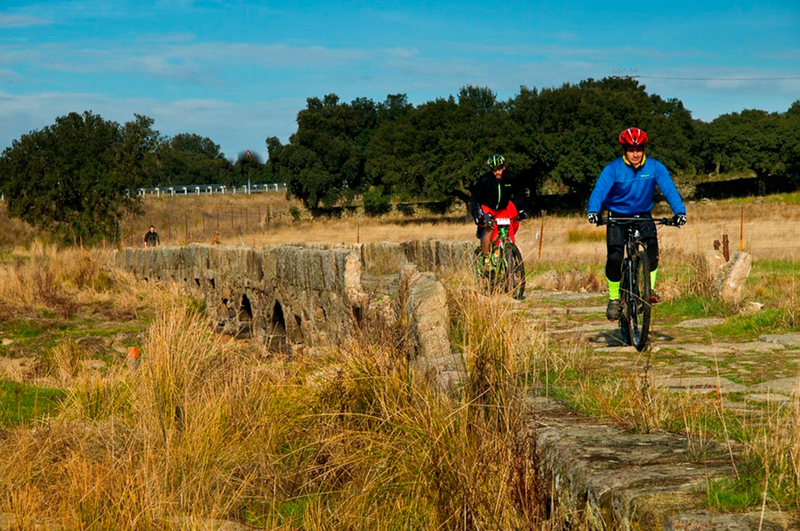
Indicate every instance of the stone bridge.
{"type": "Point", "coordinates": [313, 295]}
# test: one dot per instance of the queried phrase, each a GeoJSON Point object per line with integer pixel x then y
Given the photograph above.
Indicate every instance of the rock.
{"type": "Point", "coordinates": [789, 340]}
{"type": "Point", "coordinates": [700, 384]}
{"type": "Point", "coordinates": [751, 307]}
{"type": "Point", "coordinates": [722, 279]}
{"type": "Point", "coordinates": [784, 386]}
{"type": "Point", "coordinates": [767, 397]}
{"type": "Point", "coordinates": [701, 323]}
{"type": "Point", "coordinates": [426, 308]}
{"type": "Point", "coordinates": [736, 273]}
{"type": "Point", "coordinates": [710, 266]}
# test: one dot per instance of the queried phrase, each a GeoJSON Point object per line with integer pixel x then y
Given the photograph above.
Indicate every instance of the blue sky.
{"type": "Point", "coordinates": [238, 72]}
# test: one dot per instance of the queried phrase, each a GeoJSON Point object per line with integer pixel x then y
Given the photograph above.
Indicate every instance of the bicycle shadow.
{"type": "Point", "coordinates": [613, 338]}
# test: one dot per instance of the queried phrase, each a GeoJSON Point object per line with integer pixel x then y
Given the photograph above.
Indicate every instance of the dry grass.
{"type": "Point", "coordinates": [211, 429]}
{"type": "Point", "coordinates": [46, 280]}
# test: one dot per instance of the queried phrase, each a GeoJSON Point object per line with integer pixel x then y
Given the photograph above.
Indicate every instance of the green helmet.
{"type": "Point", "coordinates": [496, 161]}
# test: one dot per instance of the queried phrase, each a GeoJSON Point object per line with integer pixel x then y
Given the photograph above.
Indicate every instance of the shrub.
{"type": "Point", "coordinates": [376, 201]}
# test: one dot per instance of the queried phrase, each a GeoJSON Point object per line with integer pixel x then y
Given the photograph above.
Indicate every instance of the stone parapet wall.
{"type": "Point", "coordinates": [304, 294]}
{"type": "Point", "coordinates": [428, 255]}
{"type": "Point", "coordinates": [282, 293]}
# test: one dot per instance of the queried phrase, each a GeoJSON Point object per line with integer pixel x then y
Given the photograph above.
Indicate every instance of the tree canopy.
{"type": "Point", "coordinates": [73, 178]}
{"type": "Point", "coordinates": [563, 136]}
{"type": "Point", "coordinates": [78, 177]}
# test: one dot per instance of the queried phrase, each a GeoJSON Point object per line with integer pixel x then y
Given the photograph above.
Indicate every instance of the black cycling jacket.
{"type": "Point", "coordinates": [495, 194]}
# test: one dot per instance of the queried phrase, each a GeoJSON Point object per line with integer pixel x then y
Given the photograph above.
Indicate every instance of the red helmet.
{"type": "Point", "coordinates": [633, 136]}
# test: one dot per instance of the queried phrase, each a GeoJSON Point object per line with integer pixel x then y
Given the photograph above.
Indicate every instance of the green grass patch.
{"type": "Point", "coordinates": [749, 326]}
{"type": "Point", "coordinates": [792, 198]}
{"type": "Point", "coordinates": [20, 403]}
{"type": "Point", "coordinates": [288, 514]}
{"type": "Point", "coordinates": [736, 494]}
{"type": "Point", "coordinates": [692, 307]}
{"type": "Point", "coordinates": [747, 490]}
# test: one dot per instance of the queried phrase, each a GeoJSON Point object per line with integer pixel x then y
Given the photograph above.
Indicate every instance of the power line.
{"type": "Point", "coordinates": [782, 78]}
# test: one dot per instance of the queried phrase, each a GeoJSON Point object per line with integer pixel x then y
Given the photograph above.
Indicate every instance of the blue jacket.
{"type": "Point", "coordinates": [624, 189]}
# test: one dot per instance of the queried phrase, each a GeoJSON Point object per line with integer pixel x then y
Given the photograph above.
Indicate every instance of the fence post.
{"type": "Point", "coordinates": [541, 233]}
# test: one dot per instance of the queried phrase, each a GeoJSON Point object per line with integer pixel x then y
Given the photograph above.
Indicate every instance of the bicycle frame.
{"type": "Point", "coordinates": [507, 265]}
{"type": "Point", "coordinates": [499, 244]}
{"type": "Point", "coordinates": [635, 286]}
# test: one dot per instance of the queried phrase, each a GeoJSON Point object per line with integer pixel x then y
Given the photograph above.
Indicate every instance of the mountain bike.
{"type": "Point", "coordinates": [635, 294]}
{"type": "Point", "coordinates": [507, 271]}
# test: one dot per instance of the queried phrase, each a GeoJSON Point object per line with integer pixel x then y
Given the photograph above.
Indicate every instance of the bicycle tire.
{"type": "Point", "coordinates": [515, 279]}
{"type": "Point", "coordinates": [624, 290]}
{"type": "Point", "coordinates": [484, 281]}
{"type": "Point", "coordinates": [499, 278]}
{"type": "Point", "coordinates": [639, 304]}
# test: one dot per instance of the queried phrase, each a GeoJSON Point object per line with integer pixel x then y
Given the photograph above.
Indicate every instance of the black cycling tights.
{"type": "Point", "coordinates": [615, 245]}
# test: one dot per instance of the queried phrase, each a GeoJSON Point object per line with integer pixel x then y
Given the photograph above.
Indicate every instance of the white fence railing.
{"type": "Point", "coordinates": [210, 189]}
{"type": "Point", "coordinates": [204, 189]}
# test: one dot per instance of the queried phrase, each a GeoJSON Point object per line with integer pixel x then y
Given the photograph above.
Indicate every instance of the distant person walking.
{"type": "Point", "coordinates": [151, 238]}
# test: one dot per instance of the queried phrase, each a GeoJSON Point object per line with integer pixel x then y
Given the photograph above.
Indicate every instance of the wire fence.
{"type": "Point", "coordinates": [221, 224]}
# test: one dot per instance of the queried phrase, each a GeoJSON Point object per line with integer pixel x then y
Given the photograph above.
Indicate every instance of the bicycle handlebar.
{"type": "Point", "coordinates": [493, 221]}
{"type": "Point", "coordinates": [670, 222]}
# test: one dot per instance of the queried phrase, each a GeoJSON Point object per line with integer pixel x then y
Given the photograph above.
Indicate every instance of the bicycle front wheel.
{"type": "Point", "coordinates": [482, 274]}
{"type": "Point", "coordinates": [637, 313]}
{"type": "Point", "coordinates": [515, 273]}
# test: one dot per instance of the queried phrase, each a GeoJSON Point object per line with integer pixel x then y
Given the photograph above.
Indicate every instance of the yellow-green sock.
{"type": "Point", "coordinates": [653, 279]}
{"type": "Point", "coordinates": [613, 289]}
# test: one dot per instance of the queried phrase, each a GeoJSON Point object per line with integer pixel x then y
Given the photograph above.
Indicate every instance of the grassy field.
{"type": "Point", "coordinates": [211, 429]}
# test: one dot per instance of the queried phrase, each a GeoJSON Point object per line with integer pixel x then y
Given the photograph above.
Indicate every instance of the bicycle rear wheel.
{"type": "Point", "coordinates": [515, 273]}
{"type": "Point", "coordinates": [637, 313]}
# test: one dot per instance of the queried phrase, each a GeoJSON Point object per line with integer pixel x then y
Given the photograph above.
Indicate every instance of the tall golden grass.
{"type": "Point", "coordinates": [213, 429]}
{"type": "Point", "coordinates": [210, 429]}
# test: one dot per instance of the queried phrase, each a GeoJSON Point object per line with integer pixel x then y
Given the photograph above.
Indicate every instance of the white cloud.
{"type": "Point", "coordinates": [235, 127]}
{"type": "Point", "coordinates": [22, 21]}
{"type": "Point", "coordinates": [9, 76]}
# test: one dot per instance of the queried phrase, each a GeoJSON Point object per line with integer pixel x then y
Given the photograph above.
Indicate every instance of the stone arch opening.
{"type": "Point", "coordinates": [276, 335]}
{"type": "Point", "coordinates": [245, 309]}
{"type": "Point", "coordinates": [245, 317]}
{"type": "Point", "coordinates": [358, 315]}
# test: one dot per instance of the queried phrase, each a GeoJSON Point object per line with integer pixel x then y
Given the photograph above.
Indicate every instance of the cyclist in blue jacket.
{"type": "Point", "coordinates": [625, 188]}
